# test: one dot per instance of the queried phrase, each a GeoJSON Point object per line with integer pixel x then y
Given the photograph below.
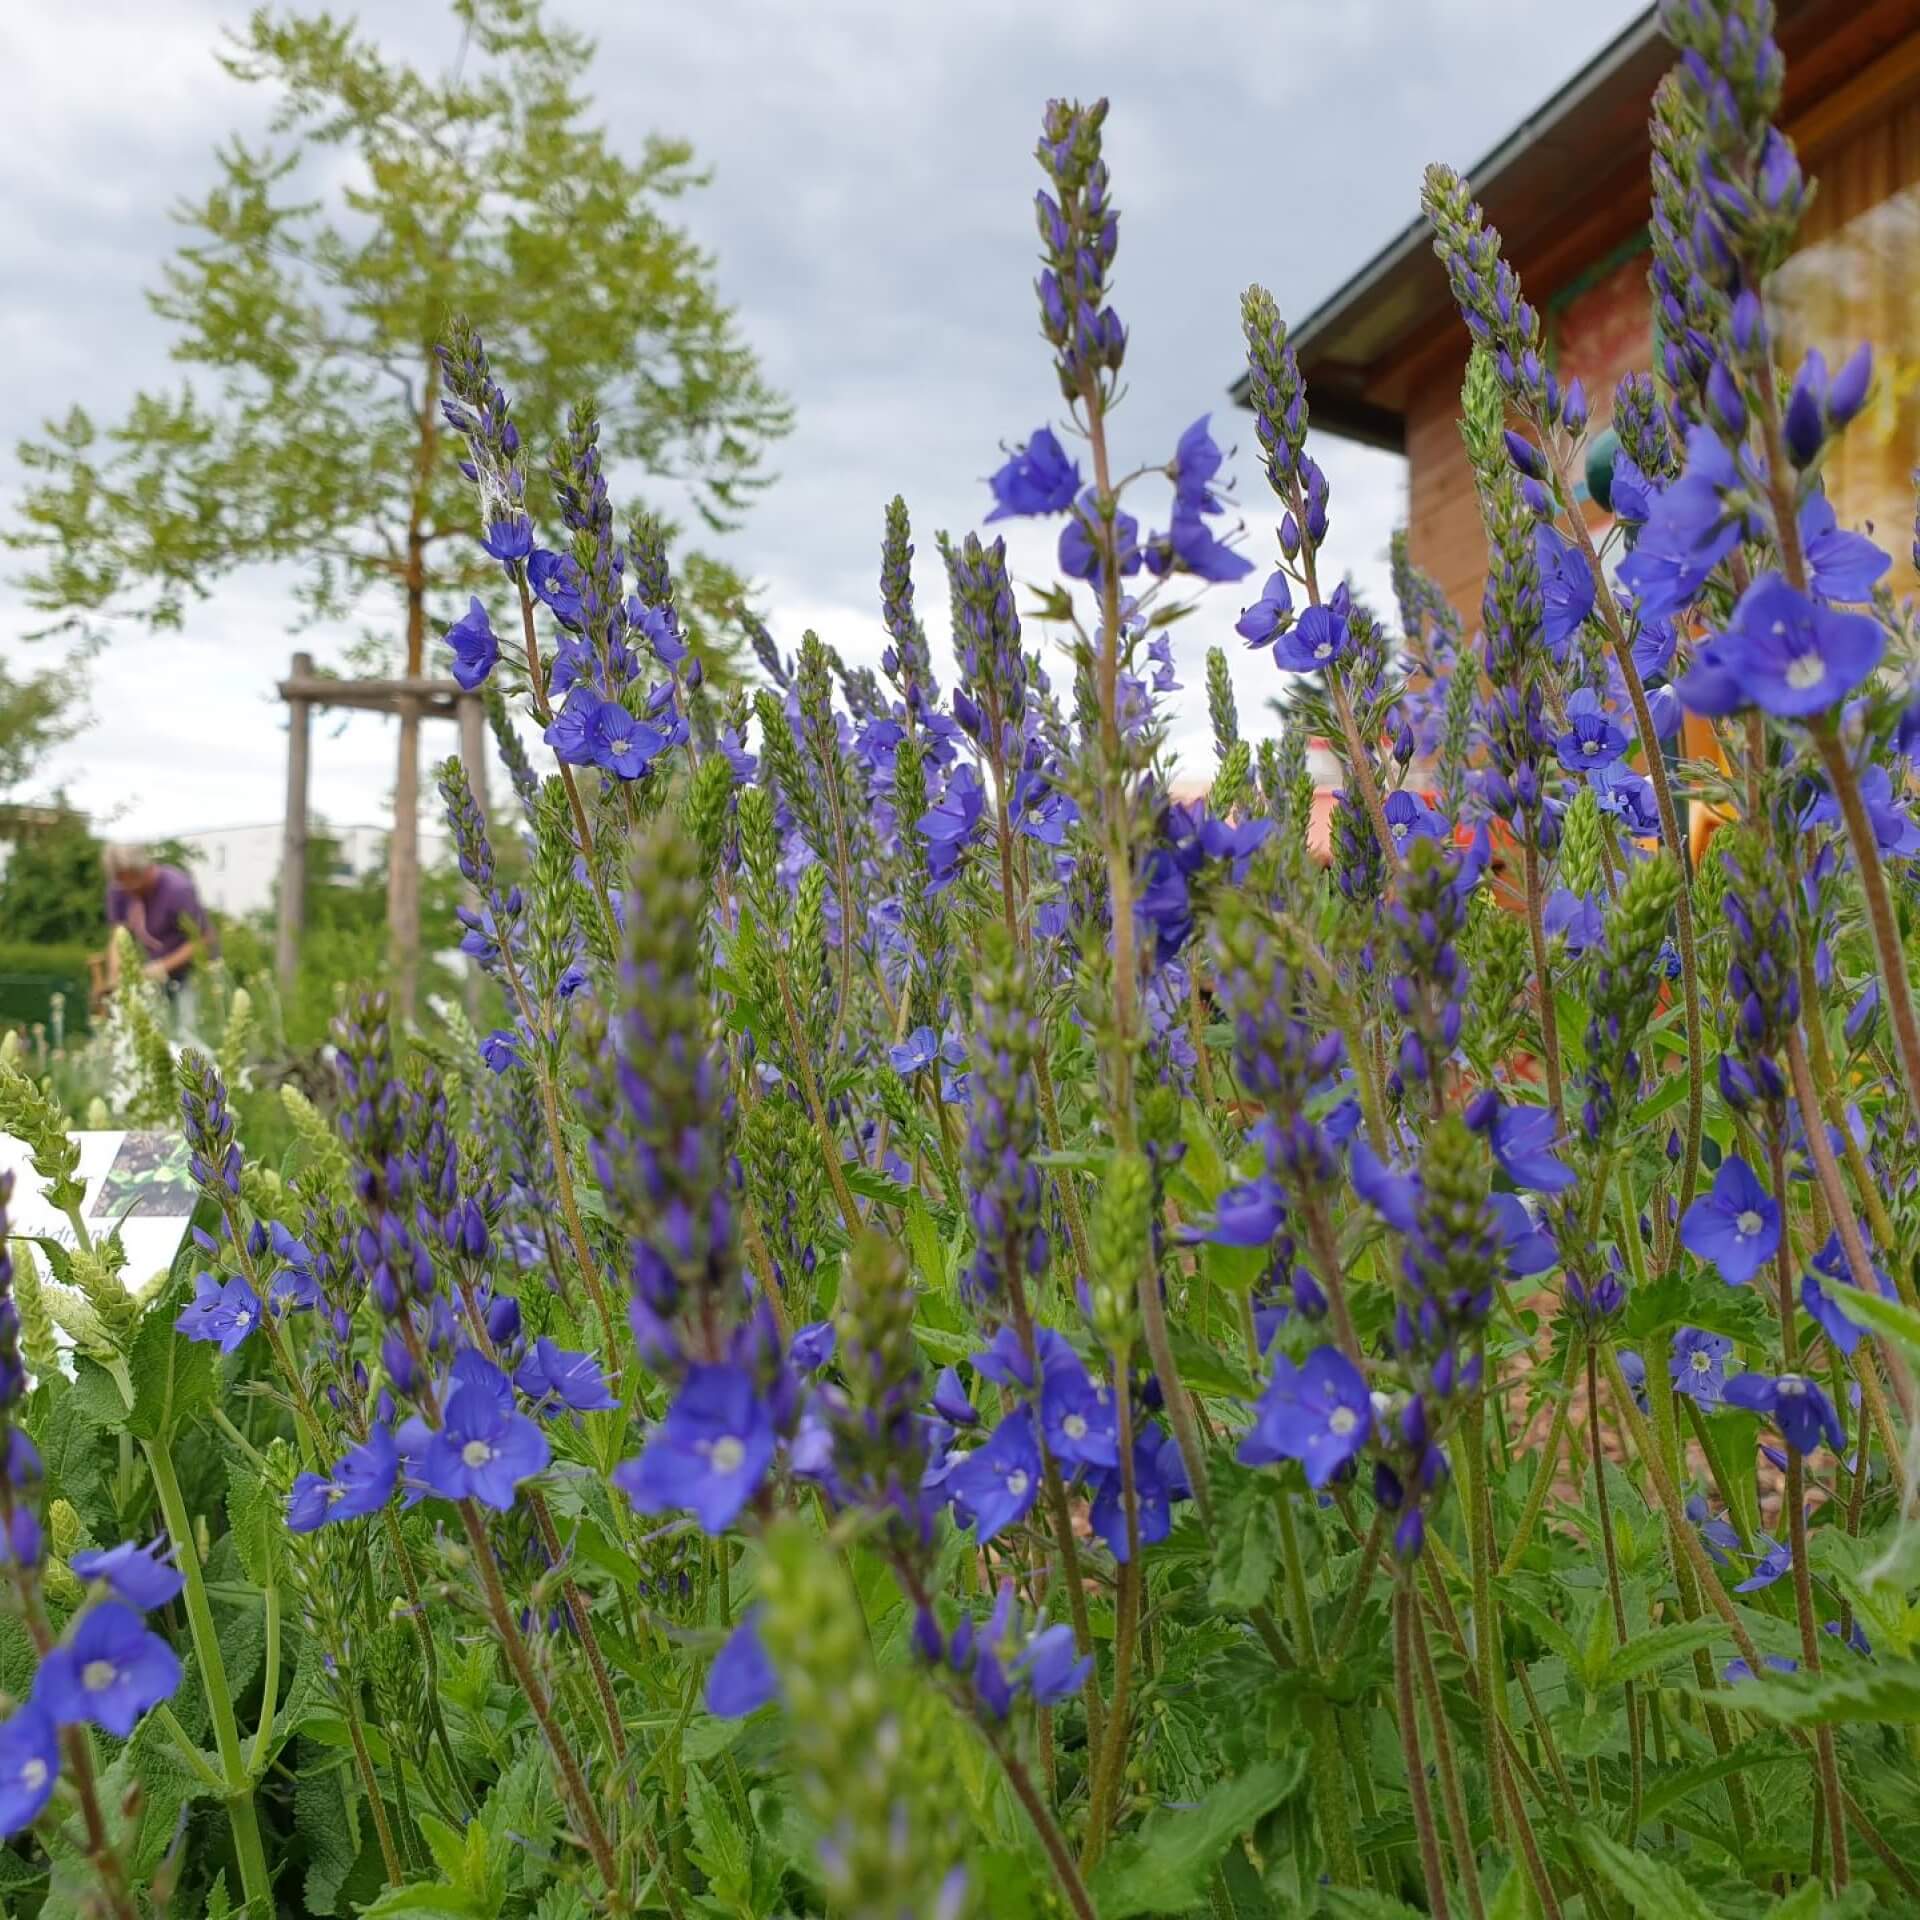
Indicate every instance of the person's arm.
{"type": "Point", "coordinates": [171, 963]}
{"type": "Point", "coordinates": [116, 919]}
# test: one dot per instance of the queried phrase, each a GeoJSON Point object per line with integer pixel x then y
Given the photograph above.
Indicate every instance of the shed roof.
{"type": "Point", "coordinates": [1564, 188]}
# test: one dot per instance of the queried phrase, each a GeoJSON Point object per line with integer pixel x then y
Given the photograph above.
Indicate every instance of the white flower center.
{"type": "Point", "coordinates": [729, 1454]}
{"type": "Point", "coordinates": [1702, 1362]}
{"type": "Point", "coordinates": [33, 1776]}
{"type": "Point", "coordinates": [476, 1453]}
{"type": "Point", "coordinates": [1589, 746]}
{"type": "Point", "coordinates": [1805, 670]}
{"type": "Point", "coordinates": [1324, 651]}
{"type": "Point", "coordinates": [98, 1675]}
{"type": "Point", "coordinates": [1018, 1483]}
{"type": "Point", "coordinates": [1746, 1223]}
{"type": "Point", "coordinates": [1792, 1384]}
{"type": "Point", "coordinates": [1074, 1426]}
{"type": "Point", "coordinates": [1342, 1421]}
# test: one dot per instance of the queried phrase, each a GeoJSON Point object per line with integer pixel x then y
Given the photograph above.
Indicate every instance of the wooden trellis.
{"type": "Point", "coordinates": [410, 701]}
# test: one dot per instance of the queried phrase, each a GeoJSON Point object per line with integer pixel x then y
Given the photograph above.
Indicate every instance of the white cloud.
{"type": "Point", "coordinates": [870, 216]}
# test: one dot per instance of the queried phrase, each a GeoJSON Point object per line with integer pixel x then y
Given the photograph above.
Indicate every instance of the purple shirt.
{"type": "Point", "coordinates": [161, 917]}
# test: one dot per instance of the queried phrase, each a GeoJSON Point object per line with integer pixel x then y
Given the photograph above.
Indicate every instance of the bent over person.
{"type": "Point", "coordinates": [161, 908]}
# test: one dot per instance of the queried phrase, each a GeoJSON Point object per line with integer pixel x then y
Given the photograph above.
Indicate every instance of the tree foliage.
{"type": "Point", "coordinates": [310, 284]}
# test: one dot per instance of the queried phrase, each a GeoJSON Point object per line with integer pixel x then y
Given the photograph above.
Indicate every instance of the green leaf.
{"type": "Point", "coordinates": [1516, 1899]}
{"type": "Point", "coordinates": [255, 1520]}
{"type": "Point", "coordinates": [1693, 1297]}
{"type": "Point", "coordinates": [923, 1241]}
{"type": "Point", "coordinates": [1812, 1901]}
{"type": "Point", "coordinates": [720, 1850]}
{"type": "Point", "coordinates": [1668, 1787]}
{"type": "Point", "coordinates": [1163, 1866]}
{"type": "Point", "coordinates": [1836, 1697]}
{"type": "Point", "coordinates": [427, 1902]}
{"type": "Point", "coordinates": [1654, 1890]}
{"type": "Point", "coordinates": [1246, 1553]}
{"type": "Point", "coordinates": [1654, 1648]}
{"type": "Point", "coordinates": [173, 1377]}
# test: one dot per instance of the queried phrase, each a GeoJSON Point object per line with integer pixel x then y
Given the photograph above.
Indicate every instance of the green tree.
{"type": "Point", "coordinates": [37, 712]}
{"type": "Point", "coordinates": [309, 291]}
{"type": "Point", "coordinates": [52, 888]}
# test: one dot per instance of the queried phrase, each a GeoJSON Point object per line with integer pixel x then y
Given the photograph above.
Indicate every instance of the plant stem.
{"type": "Point", "coordinates": [1403, 1681]}
{"type": "Point", "coordinates": [1112, 1754]}
{"type": "Point", "coordinates": [1636, 1759]}
{"type": "Point", "coordinates": [370, 1786]}
{"type": "Point", "coordinates": [256, 1884]}
{"type": "Point", "coordinates": [1459, 1829]}
{"type": "Point", "coordinates": [1059, 1855]}
{"type": "Point", "coordinates": [572, 1781]}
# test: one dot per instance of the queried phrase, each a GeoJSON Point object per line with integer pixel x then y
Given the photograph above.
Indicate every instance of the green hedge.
{"type": "Point", "coordinates": [31, 974]}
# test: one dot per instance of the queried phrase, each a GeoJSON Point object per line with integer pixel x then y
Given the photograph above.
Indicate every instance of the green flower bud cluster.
{"type": "Point", "coordinates": [866, 1768]}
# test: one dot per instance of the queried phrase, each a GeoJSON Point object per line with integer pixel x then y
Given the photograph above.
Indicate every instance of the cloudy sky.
{"type": "Point", "coordinates": [872, 180]}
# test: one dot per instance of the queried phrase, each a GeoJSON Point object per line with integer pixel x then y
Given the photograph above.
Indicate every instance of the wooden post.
{"type": "Point", "coordinates": [403, 862]}
{"type": "Point", "coordinates": [293, 843]}
{"type": "Point", "coordinates": [473, 761]}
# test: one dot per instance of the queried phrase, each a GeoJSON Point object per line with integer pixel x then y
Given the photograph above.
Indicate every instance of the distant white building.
{"type": "Point", "coordinates": [235, 867]}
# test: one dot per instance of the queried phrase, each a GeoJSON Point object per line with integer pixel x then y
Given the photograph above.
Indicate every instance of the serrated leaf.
{"type": "Point", "coordinates": [1654, 1890]}
{"type": "Point", "coordinates": [1812, 1901]}
{"type": "Point", "coordinates": [1657, 1646]}
{"type": "Point", "coordinates": [1246, 1554]}
{"type": "Point", "coordinates": [1834, 1697]}
{"type": "Point", "coordinates": [427, 1902]}
{"type": "Point", "coordinates": [1667, 1788]}
{"type": "Point", "coordinates": [721, 1851]}
{"type": "Point", "coordinates": [1692, 1297]}
{"type": "Point", "coordinates": [254, 1520]}
{"type": "Point", "coordinates": [1516, 1899]}
{"type": "Point", "coordinates": [1163, 1866]}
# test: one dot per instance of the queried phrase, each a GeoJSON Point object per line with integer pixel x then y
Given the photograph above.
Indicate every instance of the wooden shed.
{"type": "Point", "coordinates": [1568, 190]}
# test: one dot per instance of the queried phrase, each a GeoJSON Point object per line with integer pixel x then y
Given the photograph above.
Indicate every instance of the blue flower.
{"type": "Point", "coordinates": [621, 744]}
{"type": "Point", "coordinates": [1840, 566]}
{"type": "Point", "coordinates": [29, 1766]}
{"type": "Point", "coordinates": [555, 580]}
{"type": "Point", "coordinates": [223, 1314]}
{"type": "Point", "coordinates": [1577, 918]}
{"type": "Point", "coordinates": [509, 540]}
{"type": "Point", "coordinates": [1390, 1191]}
{"type": "Point", "coordinates": [1159, 1479]}
{"type": "Point", "coordinates": [484, 1449]}
{"type": "Point", "coordinates": [710, 1453]}
{"type": "Point", "coordinates": [363, 1479]}
{"type": "Point", "coordinates": [1795, 1404]}
{"type": "Point", "coordinates": [1773, 1564]}
{"type": "Point", "coordinates": [501, 1049]}
{"type": "Point", "coordinates": [1566, 587]}
{"type": "Point", "coordinates": [1039, 478]}
{"type": "Point", "coordinates": [1318, 1413]}
{"type": "Point", "coordinates": [110, 1671]}
{"type": "Point", "coordinates": [741, 1679]}
{"type": "Point", "coordinates": [1690, 528]}
{"type": "Point", "coordinates": [1737, 1670]}
{"type": "Point", "coordinates": [570, 735]}
{"type": "Point", "coordinates": [1190, 546]}
{"type": "Point", "coordinates": [1259, 623]}
{"type": "Point", "coordinates": [1246, 1216]}
{"type": "Point", "coordinates": [1735, 1228]}
{"type": "Point", "coordinates": [812, 1346]}
{"type": "Point", "coordinates": [1530, 1248]}
{"type": "Point", "coordinates": [1049, 1667]}
{"type": "Point", "coordinates": [997, 1484]}
{"type": "Point", "coordinates": [1592, 739]}
{"type": "Point", "coordinates": [1080, 556]}
{"type": "Point", "coordinates": [915, 1053]}
{"type": "Point", "coordinates": [1784, 653]}
{"type": "Point", "coordinates": [1697, 1365]}
{"type": "Point", "coordinates": [952, 822]}
{"type": "Point", "coordinates": [554, 1373]}
{"type": "Point", "coordinates": [1523, 1142]}
{"type": "Point", "coordinates": [138, 1575]}
{"type": "Point", "coordinates": [1628, 797]}
{"type": "Point", "coordinates": [1195, 461]}
{"type": "Point", "coordinates": [1078, 1416]}
{"type": "Point", "coordinates": [1317, 639]}
{"type": "Point", "coordinates": [475, 650]}
{"type": "Point", "coordinates": [308, 1501]}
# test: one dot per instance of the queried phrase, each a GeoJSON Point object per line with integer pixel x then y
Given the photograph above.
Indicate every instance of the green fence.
{"type": "Point", "coordinates": [30, 977]}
